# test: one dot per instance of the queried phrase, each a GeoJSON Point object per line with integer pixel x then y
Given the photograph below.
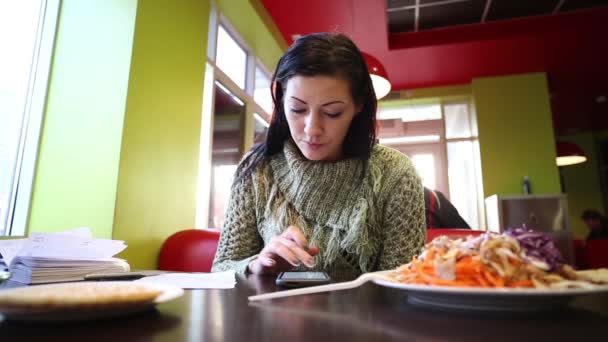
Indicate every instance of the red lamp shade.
{"type": "Point", "coordinates": [382, 86]}
{"type": "Point", "coordinates": [569, 154]}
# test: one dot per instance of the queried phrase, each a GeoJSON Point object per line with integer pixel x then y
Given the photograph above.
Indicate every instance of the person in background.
{"type": "Point", "coordinates": [319, 193]}
{"type": "Point", "coordinates": [440, 212]}
{"type": "Point", "coordinates": [597, 224]}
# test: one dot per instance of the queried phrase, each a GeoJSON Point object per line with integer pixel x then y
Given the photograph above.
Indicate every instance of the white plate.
{"type": "Point", "coordinates": [168, 293]}
{"type": "Point", "coordinates": [489, 299]}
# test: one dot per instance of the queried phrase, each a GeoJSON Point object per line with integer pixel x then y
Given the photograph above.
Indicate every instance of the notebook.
{"type": "Point", "coordinates": [59, 257]}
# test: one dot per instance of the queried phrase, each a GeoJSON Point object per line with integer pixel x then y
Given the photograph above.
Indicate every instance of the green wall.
{"type": "Point", "coordinates": [159, 158]}
{"type": "Point", "coordinates": [120, 139]}
{"type": "Point", "coordinates": [582, 183]}
{"type": "Point", "coordinates": [515, 134]}
{"type": "Point", "coordinates": [77, 168]}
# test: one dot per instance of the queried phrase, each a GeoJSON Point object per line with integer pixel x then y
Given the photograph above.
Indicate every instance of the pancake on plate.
{"type": "Point", "coordinates": [86, 296]}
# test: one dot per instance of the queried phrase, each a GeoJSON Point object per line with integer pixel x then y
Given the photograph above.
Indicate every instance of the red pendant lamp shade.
{"type": "Point", "coordinates": [382, 86]}
{"type": "Point", "coordinates": [569, 154]}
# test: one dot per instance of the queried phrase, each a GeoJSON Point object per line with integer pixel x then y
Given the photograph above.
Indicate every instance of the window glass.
{"type": "Point", "coordinates": [439, 140]}
{"type": "Point", "coordinates": [411, 113]}
{"type": "Point", "coordinates": [261, 92]}
{"type": "Point", "coordinates": [457, 121]}
{"type": "Point", "coordinates": [228, 127]}
{"type": "Point", "coordinates": [19, 30]}
{"type": "Point", "coordinates": [463, 184]}
{"type": "Point", "coordinates": [260, 129]}
{"type": "Point", "coordinates": [425, 165]}
{"type": "Point", "coordinates": [231, 57]}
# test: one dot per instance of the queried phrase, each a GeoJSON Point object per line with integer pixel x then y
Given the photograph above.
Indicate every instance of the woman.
{"type": "Point", "coordinates": [320, 193]}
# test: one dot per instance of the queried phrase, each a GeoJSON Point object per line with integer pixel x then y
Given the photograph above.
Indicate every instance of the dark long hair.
{"type": "Point", "coordinates": [326, 54]}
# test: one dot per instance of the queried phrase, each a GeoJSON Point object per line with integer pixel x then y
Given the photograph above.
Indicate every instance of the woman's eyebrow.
{"type": "Point", "coordinates": [295, 98]}
{"type": "Point", "coordinates": [323, 105]}
{"type": "Point", "coordinates": [332, 102]}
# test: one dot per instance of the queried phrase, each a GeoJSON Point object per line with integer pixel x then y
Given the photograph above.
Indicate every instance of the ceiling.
{"type": "Point", "coordinates": [419, 15]}
{"type": "Point", "coordinates": [455, 43]}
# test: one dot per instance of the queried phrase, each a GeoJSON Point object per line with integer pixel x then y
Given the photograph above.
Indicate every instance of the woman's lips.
{"type": "Point", "coordinates": [314, 146]}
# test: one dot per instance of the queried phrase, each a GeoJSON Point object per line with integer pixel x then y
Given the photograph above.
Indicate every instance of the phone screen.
{"type": "Point", "coordinates": [294, 276]}
{"type": "Point", "coordinates": [299, 279]}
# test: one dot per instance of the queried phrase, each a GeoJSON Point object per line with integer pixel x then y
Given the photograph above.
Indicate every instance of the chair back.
{"type": "Point", "coordinates": [597, 253]}
{"type": "Point", "coordinates": [190, 250]}
{"type": "Point", "coordinates": [451, 233]}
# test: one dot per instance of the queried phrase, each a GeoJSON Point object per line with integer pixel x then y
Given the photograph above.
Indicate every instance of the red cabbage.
{"type": "Point", "coordinates": [538, 246]}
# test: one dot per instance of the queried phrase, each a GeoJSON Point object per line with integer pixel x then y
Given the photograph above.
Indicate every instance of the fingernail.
{"type": "Point", "coordinates": [309, 262]}
{"type": "Point", "coordinates": [270, 262]}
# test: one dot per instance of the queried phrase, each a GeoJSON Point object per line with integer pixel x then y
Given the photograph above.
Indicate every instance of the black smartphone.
{"type": "Point", "coordinates": [302, 279]}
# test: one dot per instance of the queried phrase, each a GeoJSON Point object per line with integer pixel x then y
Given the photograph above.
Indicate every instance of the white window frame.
{"type": "Point", "coordinates": [246, 95]}
{"type": "Point", "coordinates": [25, 167]}
{"type": "Point", "coordinates": [438, 148]}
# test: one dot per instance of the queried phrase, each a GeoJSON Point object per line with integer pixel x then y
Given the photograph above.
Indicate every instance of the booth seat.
{"type": "Point", "coordinates": [190, 250]}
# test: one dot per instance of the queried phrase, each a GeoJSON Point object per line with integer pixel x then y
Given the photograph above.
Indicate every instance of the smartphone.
{"type": "Point", "coordinates": [302, 279]}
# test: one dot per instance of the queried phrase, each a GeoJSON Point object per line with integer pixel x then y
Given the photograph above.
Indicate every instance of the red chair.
{"type": "Point", "coordinates": [580, 254]}
{"type": "Point", "coordinates": [451, 233]}
{"type": "Point", "coordinates": [597, 253]}
{"type": "Point", "coordinates": [190, 250]}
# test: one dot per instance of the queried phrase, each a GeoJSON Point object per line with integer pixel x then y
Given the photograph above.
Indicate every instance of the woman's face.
{"type": "Point", "coordinates": [319, 110]}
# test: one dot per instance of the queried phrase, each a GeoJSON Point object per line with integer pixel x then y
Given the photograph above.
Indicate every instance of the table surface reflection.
{"type": "Point", "coordinates": [370, 313]}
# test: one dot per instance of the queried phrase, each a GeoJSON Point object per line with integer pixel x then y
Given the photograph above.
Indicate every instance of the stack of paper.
{"type": "Point", "coordinates": [63, 256]}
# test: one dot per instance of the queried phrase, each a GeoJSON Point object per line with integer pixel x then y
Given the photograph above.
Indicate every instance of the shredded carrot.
{"type": "Point", "coordinates": [468, 271]}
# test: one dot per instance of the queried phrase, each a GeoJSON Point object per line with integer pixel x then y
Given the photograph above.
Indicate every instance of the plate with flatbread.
{"type": "Point", "coordinates": [82, 300]}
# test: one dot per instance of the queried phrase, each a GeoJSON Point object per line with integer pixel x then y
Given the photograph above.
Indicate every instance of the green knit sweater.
{"type": "Point", "coordinates": [360, 222]}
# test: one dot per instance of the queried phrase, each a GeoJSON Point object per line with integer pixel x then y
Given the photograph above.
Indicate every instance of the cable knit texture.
{"type": "Point", "coordinates": [362, 222]}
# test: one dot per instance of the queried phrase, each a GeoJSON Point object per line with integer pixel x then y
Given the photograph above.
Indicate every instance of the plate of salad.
{"type": "Point", "coordinates": [519, 270]}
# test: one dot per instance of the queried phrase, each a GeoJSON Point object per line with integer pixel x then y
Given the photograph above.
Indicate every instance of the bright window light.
{"type": "Point", "coordinates": [425, 165]}
{"type": "Point", "coordinates": [261, 120]}
{"type": "Point", "coordinates": [261, 92]}
{"type": "Point", "coordinates": [411, 113]}
{"type": "Point", "coordinates": [410, 140]}
{"type": "Point", "coordinates": [231, 58]}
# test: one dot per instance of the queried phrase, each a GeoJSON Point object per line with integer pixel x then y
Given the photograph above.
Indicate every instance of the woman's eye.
{"type": "Point", "coordinates": [298, 111]}
{"type": "Point", "coordinates": [333, 115]}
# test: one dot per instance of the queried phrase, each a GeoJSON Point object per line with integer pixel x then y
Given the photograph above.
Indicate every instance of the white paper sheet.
{"type": "Point", "coordinates": [51, 245]}
{"type": "Point", "coordinates": [219, 280]}
{"type": "Point", "coordinates": [10, 248]}
{"type": "Point", "coordinates": [76, 243]}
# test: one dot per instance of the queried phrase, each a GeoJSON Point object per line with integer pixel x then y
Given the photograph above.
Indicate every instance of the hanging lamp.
{"type": "Point", "coordinates": [569, 154]}
{"type": "Point", "coordinates": [382, 86]}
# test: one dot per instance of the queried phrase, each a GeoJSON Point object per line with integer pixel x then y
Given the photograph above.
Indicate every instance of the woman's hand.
{"type": "Point", "coordinates": [288, 250]}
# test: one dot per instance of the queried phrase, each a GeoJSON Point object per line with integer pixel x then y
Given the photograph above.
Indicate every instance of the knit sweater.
{"type": "Point", "coordinates": [362, 220]}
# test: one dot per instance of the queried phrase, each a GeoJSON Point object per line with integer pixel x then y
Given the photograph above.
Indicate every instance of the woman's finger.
{"type": "Point", "coordinates": [294, 233]}
{"type": "Point", "coordinates": [278, 248]}
{"type": "Point", "coordinates": [267, 260]}
{"type": "Point", "coordinates": [302, 255]}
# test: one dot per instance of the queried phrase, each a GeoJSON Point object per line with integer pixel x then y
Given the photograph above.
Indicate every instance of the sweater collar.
{"type": "Point", "coordinates": [324, 192]}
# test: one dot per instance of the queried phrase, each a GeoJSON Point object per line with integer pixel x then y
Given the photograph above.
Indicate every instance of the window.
{"type": "Point", "coordinates": [237, 119]}
{"type": "Point", "coordinates": [231, 58]}
{"type": "Point", "coordinates": [228, 122]}
{"type": "Point", "coordinates": [440, 140]}
{"type": "Point", "coordinates": [261, 91]}
{"type": "Point", "coordinates": [260, 129]}
{"type": "Point", "coordinates": [24, 67]}
{"type": "Point", "coordinates": [425, 164]}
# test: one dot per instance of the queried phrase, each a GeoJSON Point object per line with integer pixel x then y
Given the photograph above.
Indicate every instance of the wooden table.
{"type": "Point", "coordinates": [370, 313]}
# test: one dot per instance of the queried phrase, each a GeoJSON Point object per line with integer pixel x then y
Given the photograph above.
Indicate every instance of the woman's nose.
{"type": "Point", "coordinates": [313, 125]}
